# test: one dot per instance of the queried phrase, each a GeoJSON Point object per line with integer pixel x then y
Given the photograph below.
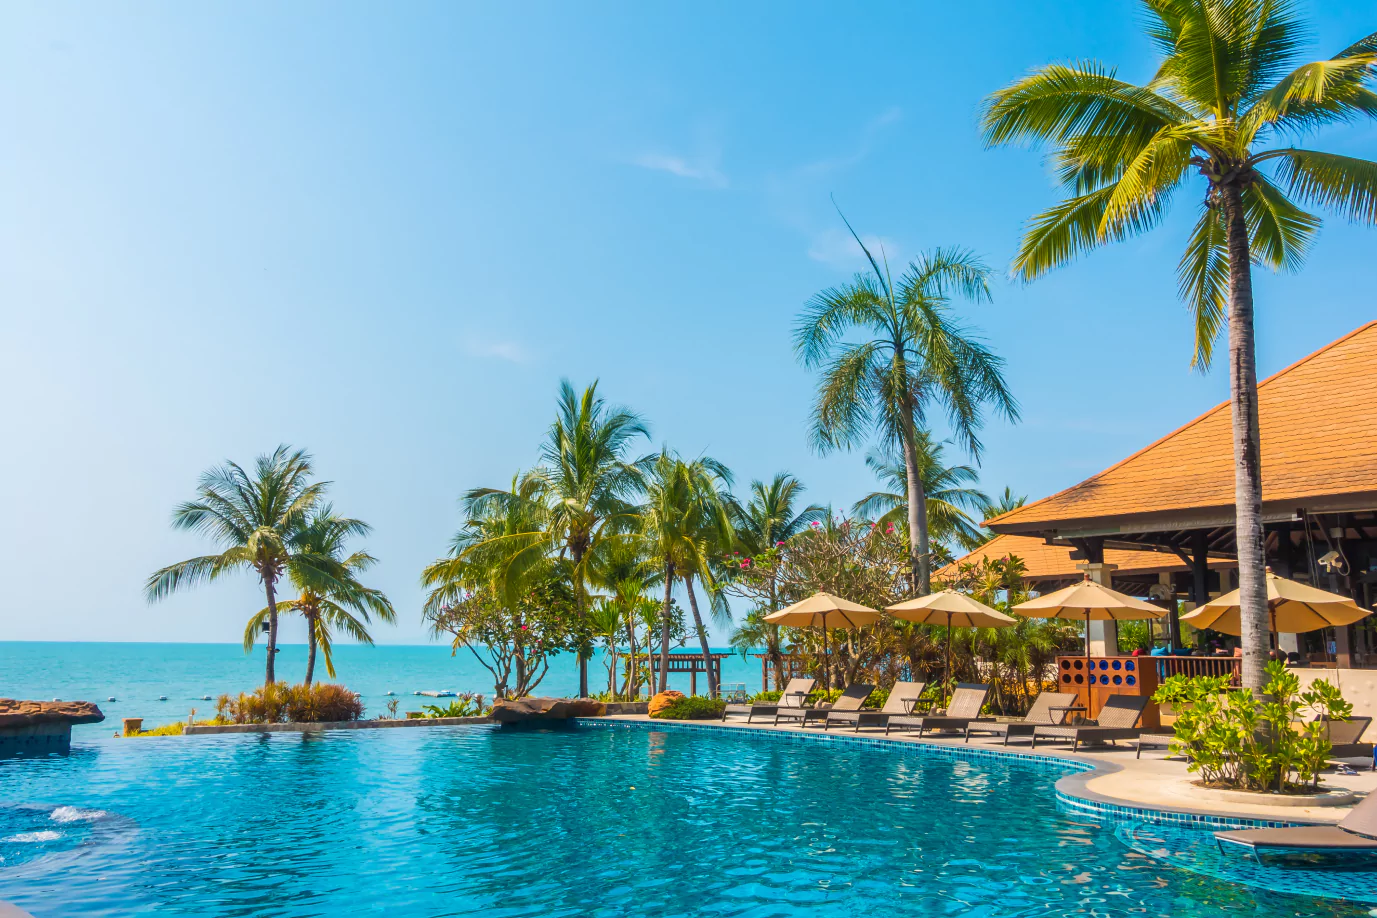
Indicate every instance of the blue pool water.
{"type": "Point", "coordinates": [598, 820]}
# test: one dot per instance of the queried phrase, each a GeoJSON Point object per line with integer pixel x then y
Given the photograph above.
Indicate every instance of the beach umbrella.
{"type": "Point", "coordinates": [953, 609]}
{"type": "Point", "coordinates": [823, 610]}
{"type": "Point", "coordinates": [1089, 601]}
{"type": "Point", "coordinates": [1294, 607]}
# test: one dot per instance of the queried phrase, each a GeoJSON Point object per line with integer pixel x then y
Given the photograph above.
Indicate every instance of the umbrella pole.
{"type": "Point", "coordinates": [826, 669]}
{"type": "Point", "coordinates": [946, 672]}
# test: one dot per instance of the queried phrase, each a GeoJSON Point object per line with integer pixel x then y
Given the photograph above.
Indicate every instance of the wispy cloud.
{"type": "Point", "coordinates": [703, 170]}
{"type": "Point", "coordinates": [481, 347]}
{"type": "Point", "coordinates": [869, 135]}
{"type": "Point", "coordinates": [837, 248]}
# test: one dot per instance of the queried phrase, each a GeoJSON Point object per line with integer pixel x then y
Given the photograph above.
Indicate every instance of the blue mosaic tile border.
{"type": "Point", "coordinates": [963, 753]}
{"type": "Point", "coordinates": [1117, 813]}
{"type": "Point", "coordinates": [1110, 812]}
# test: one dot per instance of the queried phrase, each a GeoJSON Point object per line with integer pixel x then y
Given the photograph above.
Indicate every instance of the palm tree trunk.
{"type": "Point", "coordinates": [664, 627]}
{"type": "Point", "coordinates": [773, 643]}
{"type": "Point", "coordinates": [631, 681]}
{"type": "Point", "coordinates": [576, 552]}
{"type": "Point", "coordinates": [310, 646]}
{"type": "Point", "coordinates": [269, 585]}
{"type": "Point", "coordinates": [1252, 576]}
{"type": "Point", "coordinates": [702, 636]}
{"type": "Point", "coordinates": [918, 546]}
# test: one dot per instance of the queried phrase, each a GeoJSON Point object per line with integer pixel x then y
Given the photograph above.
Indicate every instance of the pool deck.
{"type": "Point", "coordinates": [1119, 780]}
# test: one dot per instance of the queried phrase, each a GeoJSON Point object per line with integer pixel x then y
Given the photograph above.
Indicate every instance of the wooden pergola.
{"type": "Point", "coordinates": [691, 663]}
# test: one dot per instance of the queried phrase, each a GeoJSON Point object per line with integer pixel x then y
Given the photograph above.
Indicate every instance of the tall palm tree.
{"type": "Point", "coordinates": [585, 481]}
{"type": "Point", "coordinates": [770, 518]}
{"type": "Point", "coordinates": [621, 566]}
{"type": "Point", "coordinates": [911, 353]}
{"type": "Point", "coordinates": [252, 516]}
{"type": "Point", "coordinates": [950, 500]}
{"type": "Point", "coordinates": [682, 519]}
{"type": "Point", "coordinates": [330, 596]}
{"type": "Point", "coordinates": [1223, 96]}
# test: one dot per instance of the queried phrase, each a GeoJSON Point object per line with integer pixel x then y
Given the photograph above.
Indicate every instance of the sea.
{"type": "Point", "coordinates": [163, 683]}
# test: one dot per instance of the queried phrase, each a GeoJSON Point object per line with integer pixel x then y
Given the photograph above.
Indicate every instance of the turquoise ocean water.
{"type": "Point", "coordinates": [137, 674]}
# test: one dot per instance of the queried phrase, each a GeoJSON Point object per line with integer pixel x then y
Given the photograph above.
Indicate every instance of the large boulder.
{"type": "Point", "coordinates": [14, 713]}
{"type": "Point", "coordinates": [516, 710]}
{"type": "Point", "coordinates": [662, 701]}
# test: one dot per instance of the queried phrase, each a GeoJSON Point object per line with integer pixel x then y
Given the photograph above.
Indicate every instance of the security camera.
{"type": "Point", "coordinates": [1330, 560]}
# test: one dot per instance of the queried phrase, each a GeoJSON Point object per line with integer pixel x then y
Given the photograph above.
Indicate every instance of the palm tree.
{"type": "Point", "coordinates": [949, 499]}
{"type": "Point", "coordinates": [681, 520]}
{"type": "Point", "coordinates": [584, 481]}
{"type": "Point", "coordinates": [1222, 93]}
{"type": "Point", "coordinates": [621, 566]}
{"type": "Point", "coordinates": [912, 354]}
{"type": "Point", "coordinates": [330, 595]}
{"type": "Point", "coordinates": [252, 517]}
{"type": "Point", "coordinates": [768, 520]}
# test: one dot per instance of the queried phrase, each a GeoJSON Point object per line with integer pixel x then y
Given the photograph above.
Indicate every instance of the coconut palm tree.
{"type": "Point", "coordinates": [910, 354]}
{"type": "Point", "coordinates": [621, 567]}
{"type": "Point", "coordinates": [584, 481]}
{"type": "Point", "coordinates": [252, 516]}
{"type": "Point", "coordinates": [331, 598]}
{"type": "Point", "coordinates": [683, 522]}
{"type": "Point", "coordinates": [950, 502]}
{"type": "Point", "coordinates": [1224, 104]}
{"type": "Point", "coordinates": [768, 519]}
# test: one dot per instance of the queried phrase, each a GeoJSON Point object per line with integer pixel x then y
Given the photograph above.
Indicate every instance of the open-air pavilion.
{"type": "Point", "coordinates": [1174, 499]}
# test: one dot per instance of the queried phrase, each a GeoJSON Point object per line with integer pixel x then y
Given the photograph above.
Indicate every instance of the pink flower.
{"type": "Point", "coordinates": [779, 545]}
{"type": "Point", "coordinates": [745, 564]}
{"type": "Point", "coordinates": [523, 627]}
{"type": "Point", "coordinates": [889, 528]}
{"type": "Point", "coordinates": [815, 524]}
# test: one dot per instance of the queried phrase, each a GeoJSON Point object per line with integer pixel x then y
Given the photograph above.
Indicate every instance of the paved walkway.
{"type": "Point", "coordinates": [1152, 782]}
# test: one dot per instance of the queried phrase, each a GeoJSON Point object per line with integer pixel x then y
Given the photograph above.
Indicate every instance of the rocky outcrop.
{"type": "Point", "coordinates": [510, 711]}
{"type": "Point", "coordinates": [662, 701]}
{"type": "Point", "coordinates": [15, 713]}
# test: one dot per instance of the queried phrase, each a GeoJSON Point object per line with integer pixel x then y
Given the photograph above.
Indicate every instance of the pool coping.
{"type": "Point", "coordinates": [1071, 791]}
{"type": "Point", "coordinates": [297, 727]}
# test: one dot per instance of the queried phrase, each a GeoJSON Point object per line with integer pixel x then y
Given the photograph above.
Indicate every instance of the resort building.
{"type": "Point", "coordinates": [1162, 520]}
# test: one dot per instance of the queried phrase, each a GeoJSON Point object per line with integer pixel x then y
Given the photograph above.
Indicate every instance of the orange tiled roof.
{"type": "Point", "coordinates": [1319, 438]}
{"type": "Point", "coordinates": [1054, 562]}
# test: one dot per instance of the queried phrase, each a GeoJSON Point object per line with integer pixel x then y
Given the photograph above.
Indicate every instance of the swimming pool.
{"type": "Point", "coordinates": [589, 821]}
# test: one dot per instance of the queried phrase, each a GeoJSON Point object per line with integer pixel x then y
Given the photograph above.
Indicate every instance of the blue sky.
{"type": "Point", "coordinates": [385, 234]}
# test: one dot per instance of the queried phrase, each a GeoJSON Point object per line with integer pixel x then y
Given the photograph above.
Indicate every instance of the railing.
{"type": "Point", "coordinates": [1195, 666]}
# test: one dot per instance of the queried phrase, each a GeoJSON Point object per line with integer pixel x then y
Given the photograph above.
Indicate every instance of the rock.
{"type": "Point", "coordinates": [662, 701]}
{"type": "Point", "coordinates": [15, 713]}
{"type": "Point", "coordinates": [510, 711]}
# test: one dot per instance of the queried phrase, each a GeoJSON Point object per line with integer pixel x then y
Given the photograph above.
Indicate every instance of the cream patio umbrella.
{"type": "Point", "coordinates": [953, 609]}
{"type": "Point", "coordinates": [1294, 607]}
{"type": "Point", "coordinates": [1089, 601]}
{"type": "Point", "coordinates": [823, 610]}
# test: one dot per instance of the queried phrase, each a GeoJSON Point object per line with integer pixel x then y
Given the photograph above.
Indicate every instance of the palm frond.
{"type": "Point", "coordinates": [1344, 184]}
{"type": "Point", "coordinates": [1203, 281]}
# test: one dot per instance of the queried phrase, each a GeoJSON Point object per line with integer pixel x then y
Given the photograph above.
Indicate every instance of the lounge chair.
{"type": "Point", "coordinates": [1345, 736]}
{"type": "Point", "coordinates": [963, 708]}
{"type": "Point", "coordinates": [1118, 720]}
{"type": "Point", "coordinates": [900, 702]}
{"type": "Point", "coordinates": [1048, 708]}
{"type": "Point", "coordinates": [850, 700]}
{"type": "Point", "coordinates": [795, 693]}
{"type": "Point", "coordinates": [1355, 832]}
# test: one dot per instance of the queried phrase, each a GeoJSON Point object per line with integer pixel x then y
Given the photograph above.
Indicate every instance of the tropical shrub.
{"type": "Point", "coordinates": [278, 702]}
{"type": "Point", "coordinates": [766, 697]}
{"type": "Point", "coordinates": [691, 707]}
{"type": "Point", "coordinates": [1235, 740]}
{"type": "Point", "coordinates": [466, 704]}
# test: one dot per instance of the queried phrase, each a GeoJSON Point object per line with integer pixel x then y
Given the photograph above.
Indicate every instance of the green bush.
{"type": "Point", "coordinates": [766, 697]}
{"type": "Point", "coordinates": [467, 704]}
{"type": "Point", "coordinates": [278, 702]}
{"type": "Point", "coordinates": [1238, 741]}
{"type": "Point", "coordinates": [693, 707]}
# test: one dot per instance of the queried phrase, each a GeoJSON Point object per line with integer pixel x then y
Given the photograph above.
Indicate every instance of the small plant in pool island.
{"type": "Point", "coordinates": [278, 702]}
{"type": "Point", "coordinates": [1235, 740]}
